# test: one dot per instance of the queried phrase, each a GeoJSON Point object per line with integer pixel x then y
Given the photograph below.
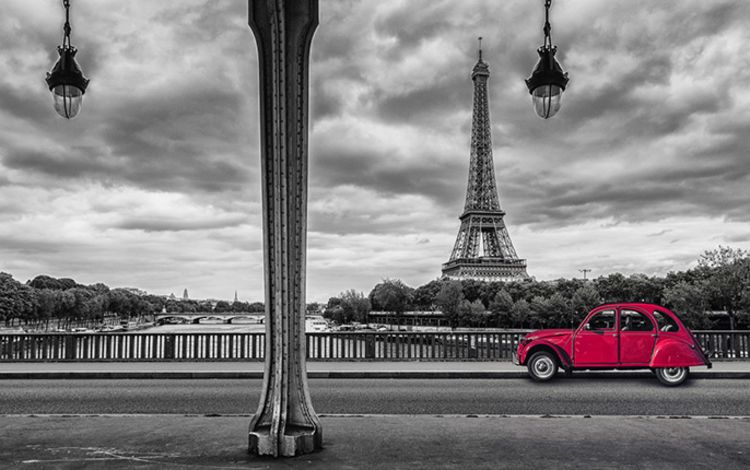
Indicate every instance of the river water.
{"type": "Point", "coordinates": [207, 328]}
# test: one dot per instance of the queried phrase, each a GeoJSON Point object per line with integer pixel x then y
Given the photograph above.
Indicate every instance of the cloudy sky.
{"type": "Point", "coordinates": [156, 184]}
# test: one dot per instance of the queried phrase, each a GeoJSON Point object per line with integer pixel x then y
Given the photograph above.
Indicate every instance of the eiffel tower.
{"type": "Point", "coordinates": [483, 250]}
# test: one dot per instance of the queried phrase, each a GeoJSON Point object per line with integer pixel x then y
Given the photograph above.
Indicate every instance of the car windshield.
{"type": "Point", "coordinates": [666, 322]}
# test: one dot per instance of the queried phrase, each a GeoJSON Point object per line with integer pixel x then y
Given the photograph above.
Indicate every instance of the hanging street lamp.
{"type": "Point", "coordinates": [66, 81]}
{"type": "Point", "coordinates": [547, 82]}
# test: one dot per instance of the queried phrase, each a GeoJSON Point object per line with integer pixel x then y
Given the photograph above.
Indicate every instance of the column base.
{"type": "Point", "coordinates": [295, 441]}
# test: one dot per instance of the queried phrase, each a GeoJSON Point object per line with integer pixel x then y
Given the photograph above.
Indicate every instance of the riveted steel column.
{"type": "Point", "coordinates": [285, 423]}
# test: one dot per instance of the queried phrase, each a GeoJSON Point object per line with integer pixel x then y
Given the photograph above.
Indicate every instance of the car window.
{"type": "Point", "coordinates": [630, 320]}
{"type": "Point", "coordinates": [665, 322]}
{"type": "Point", "coordinates": [604, 320]}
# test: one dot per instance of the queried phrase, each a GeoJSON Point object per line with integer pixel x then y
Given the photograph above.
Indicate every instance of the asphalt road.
{"type": "Point", "coordinates": [616, 396]}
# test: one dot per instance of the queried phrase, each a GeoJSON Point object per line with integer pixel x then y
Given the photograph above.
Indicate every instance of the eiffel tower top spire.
{"type": "Point", "coordinates": [481, 191]}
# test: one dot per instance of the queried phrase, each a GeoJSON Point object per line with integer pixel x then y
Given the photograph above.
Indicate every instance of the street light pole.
{"type": "Point", "coordinates": [285, 423]}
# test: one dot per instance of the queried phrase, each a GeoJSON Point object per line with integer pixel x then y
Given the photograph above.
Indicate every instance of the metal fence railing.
{"type": "Point", "coordinates": [725, 344]}
{"type": "Point", "coordinates": [489, 345]}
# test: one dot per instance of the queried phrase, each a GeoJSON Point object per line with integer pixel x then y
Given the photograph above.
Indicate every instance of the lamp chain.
{"type": "Point", "coordinates": [66, 27]}
{"type": "Point", "coordinates": [547, 26]}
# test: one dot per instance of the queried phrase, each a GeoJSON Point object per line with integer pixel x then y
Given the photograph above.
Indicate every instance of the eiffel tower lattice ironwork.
{"type": "Point", "coordinates": [483, 249]}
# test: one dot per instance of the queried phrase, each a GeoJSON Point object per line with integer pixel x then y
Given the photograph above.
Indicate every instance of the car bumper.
{"type": "Point", "coordinates": [514, 358]}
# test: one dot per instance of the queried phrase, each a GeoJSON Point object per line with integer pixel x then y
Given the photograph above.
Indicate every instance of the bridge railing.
{"type": "Point", "coordinates": [334, 346]}
{"type": "Point", "coordinates": [725, 344]}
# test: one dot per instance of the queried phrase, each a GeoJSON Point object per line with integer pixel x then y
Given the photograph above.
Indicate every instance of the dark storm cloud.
{"type": "Point", "coordinates": [387, 172]}
{"type": "Point", "coordinates": [31, 246]}
{"type": "Point", "coordinates": [171, 141]}
{"type": "Point", "coordinates": [17, 102]}
{"type": "Point", "coordinates": [162, 224]}
{"type": "Point", "coordinates": [425, 105]}
{"type": "Point", "coordinates": [76, 163]}
{"type": "Point", "coordinates": [323, 102]}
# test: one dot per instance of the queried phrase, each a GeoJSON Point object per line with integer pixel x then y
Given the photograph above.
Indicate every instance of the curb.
{"type": "Point", "coordinates": [343, 375]}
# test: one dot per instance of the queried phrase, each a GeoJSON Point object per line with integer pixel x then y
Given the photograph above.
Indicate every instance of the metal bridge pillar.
{"type": "Point", "coordinates": [285, 423]}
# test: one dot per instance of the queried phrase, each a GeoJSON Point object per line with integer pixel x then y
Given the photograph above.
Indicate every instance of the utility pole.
{"type": "Point", "coordinates": [584, 271]}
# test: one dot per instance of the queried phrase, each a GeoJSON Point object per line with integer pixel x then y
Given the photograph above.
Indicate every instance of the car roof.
{"type": "Point", "coordinates": [632, 304]}
{"type": "Point", "coordinates": [646, 306]}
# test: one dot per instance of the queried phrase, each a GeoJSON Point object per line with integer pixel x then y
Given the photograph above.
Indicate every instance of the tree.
{"type": "Point", "coordinates": [68, 283]}
{"type": "Point", "coordinates": [240, 307]}
{"type": "Point", "coordinates": [472, 289]}
{"type": "Point", "coordinates": [222, 306]}
{"type": "Point", "coordinates": [559, 310]}
{"type": "Point", "coordinates": [157, 303]}
{"type": "Point", "coordinates": [392, 295]}
{"type": "Point", "coordinates": [313, 308]}
{"type": "Point", "coordinates": [334, 310]}
{"type": "Point", "coordinates": [552, 312]}
{"type": "Point", "coordinates": [355, 306]}
{"type": "Point", "coordinates": [489, 291]}
{"type": "Point", "coordinates": [690, 301]}
{"type": "Point", "coordinates": [520, 313]}
{"type": "Point", "coordinates": [257, 307]}
{"type": "Point", "coordinates": [472, 313]}
{"type": "Point", "coordinates": [99, 288]}
{"type": "Point", "coordinates": [449, 300]}
{"type": "Point", "coordinates": [538, 311]}
{"type": "Point", "coordinates": [16, 299]}
{"type": "Point", "coordinates": [728, 275]}
{"type": "Point", "coordinates": [613, 288]}
{"type": "Point", "coordinates": [584, 299]}
{"type": "Point", "coordinates": [48, 282]}
{"type": "Point", "coordinates": [424, 296]}
{"type": "Point", "coordinates": [48, 301]}
{"type": "Point", "coordinates": [500, 308]}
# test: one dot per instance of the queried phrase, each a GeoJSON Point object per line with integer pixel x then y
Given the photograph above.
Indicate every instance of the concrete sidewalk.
{"type": "Point", "coordinates": [377, 442]}
{"type": "Point", "coordinates": [343, 370]}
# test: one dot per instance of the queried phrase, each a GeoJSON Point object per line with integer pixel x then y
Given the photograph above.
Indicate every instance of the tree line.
{"type": "Point", "coordinates": [63, 302]}
{"type": "Point", "coordinates": [719, 282]}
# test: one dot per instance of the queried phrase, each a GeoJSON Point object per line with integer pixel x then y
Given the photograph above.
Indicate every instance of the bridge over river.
{"type": "Point", "coordinates": [208, 317]}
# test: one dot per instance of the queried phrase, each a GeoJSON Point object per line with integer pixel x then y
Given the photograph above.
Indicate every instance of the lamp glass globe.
{"type": "Point", "coordinates": [68, 100]}
{"type": "Point", "coordinates": [546, 99]}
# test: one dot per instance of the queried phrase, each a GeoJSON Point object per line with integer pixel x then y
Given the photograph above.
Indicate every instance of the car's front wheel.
{"type": "Point", "coordinates": [672, 376]}
{"type": "Point", "coordinates": [542, 366]}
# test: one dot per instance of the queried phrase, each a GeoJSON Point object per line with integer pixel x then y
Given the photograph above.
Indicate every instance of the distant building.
{"type": "Point", "coordinates": [185, 295]}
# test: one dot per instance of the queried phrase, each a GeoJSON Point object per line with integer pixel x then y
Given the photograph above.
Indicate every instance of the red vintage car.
{"type": "Point", "coordinates": [616, 336]}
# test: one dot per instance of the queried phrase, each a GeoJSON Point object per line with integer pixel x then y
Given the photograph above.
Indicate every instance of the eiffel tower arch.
{"type": "Point", "coordinates": [483, 249]}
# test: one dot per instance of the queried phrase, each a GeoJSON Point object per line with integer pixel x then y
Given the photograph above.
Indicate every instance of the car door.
{"type": "Point", "coordinates": [595, 343]}
{"type": "Point", "coordinates": [637, 337]}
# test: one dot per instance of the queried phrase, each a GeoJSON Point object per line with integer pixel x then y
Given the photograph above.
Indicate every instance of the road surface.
{"type": "Point", "coordinates": [615, 396]}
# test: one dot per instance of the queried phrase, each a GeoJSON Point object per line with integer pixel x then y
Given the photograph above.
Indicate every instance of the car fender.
{"type": "Point", "coordinates": [676, 353]}
{"type": "Point", "coordinates": [541, 344]}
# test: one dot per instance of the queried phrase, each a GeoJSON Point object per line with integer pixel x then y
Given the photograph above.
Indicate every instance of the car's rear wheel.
{"type": "Point", "coordinates": [542, 366]}
{"type": "Point", "coordinates": [672, 376]}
